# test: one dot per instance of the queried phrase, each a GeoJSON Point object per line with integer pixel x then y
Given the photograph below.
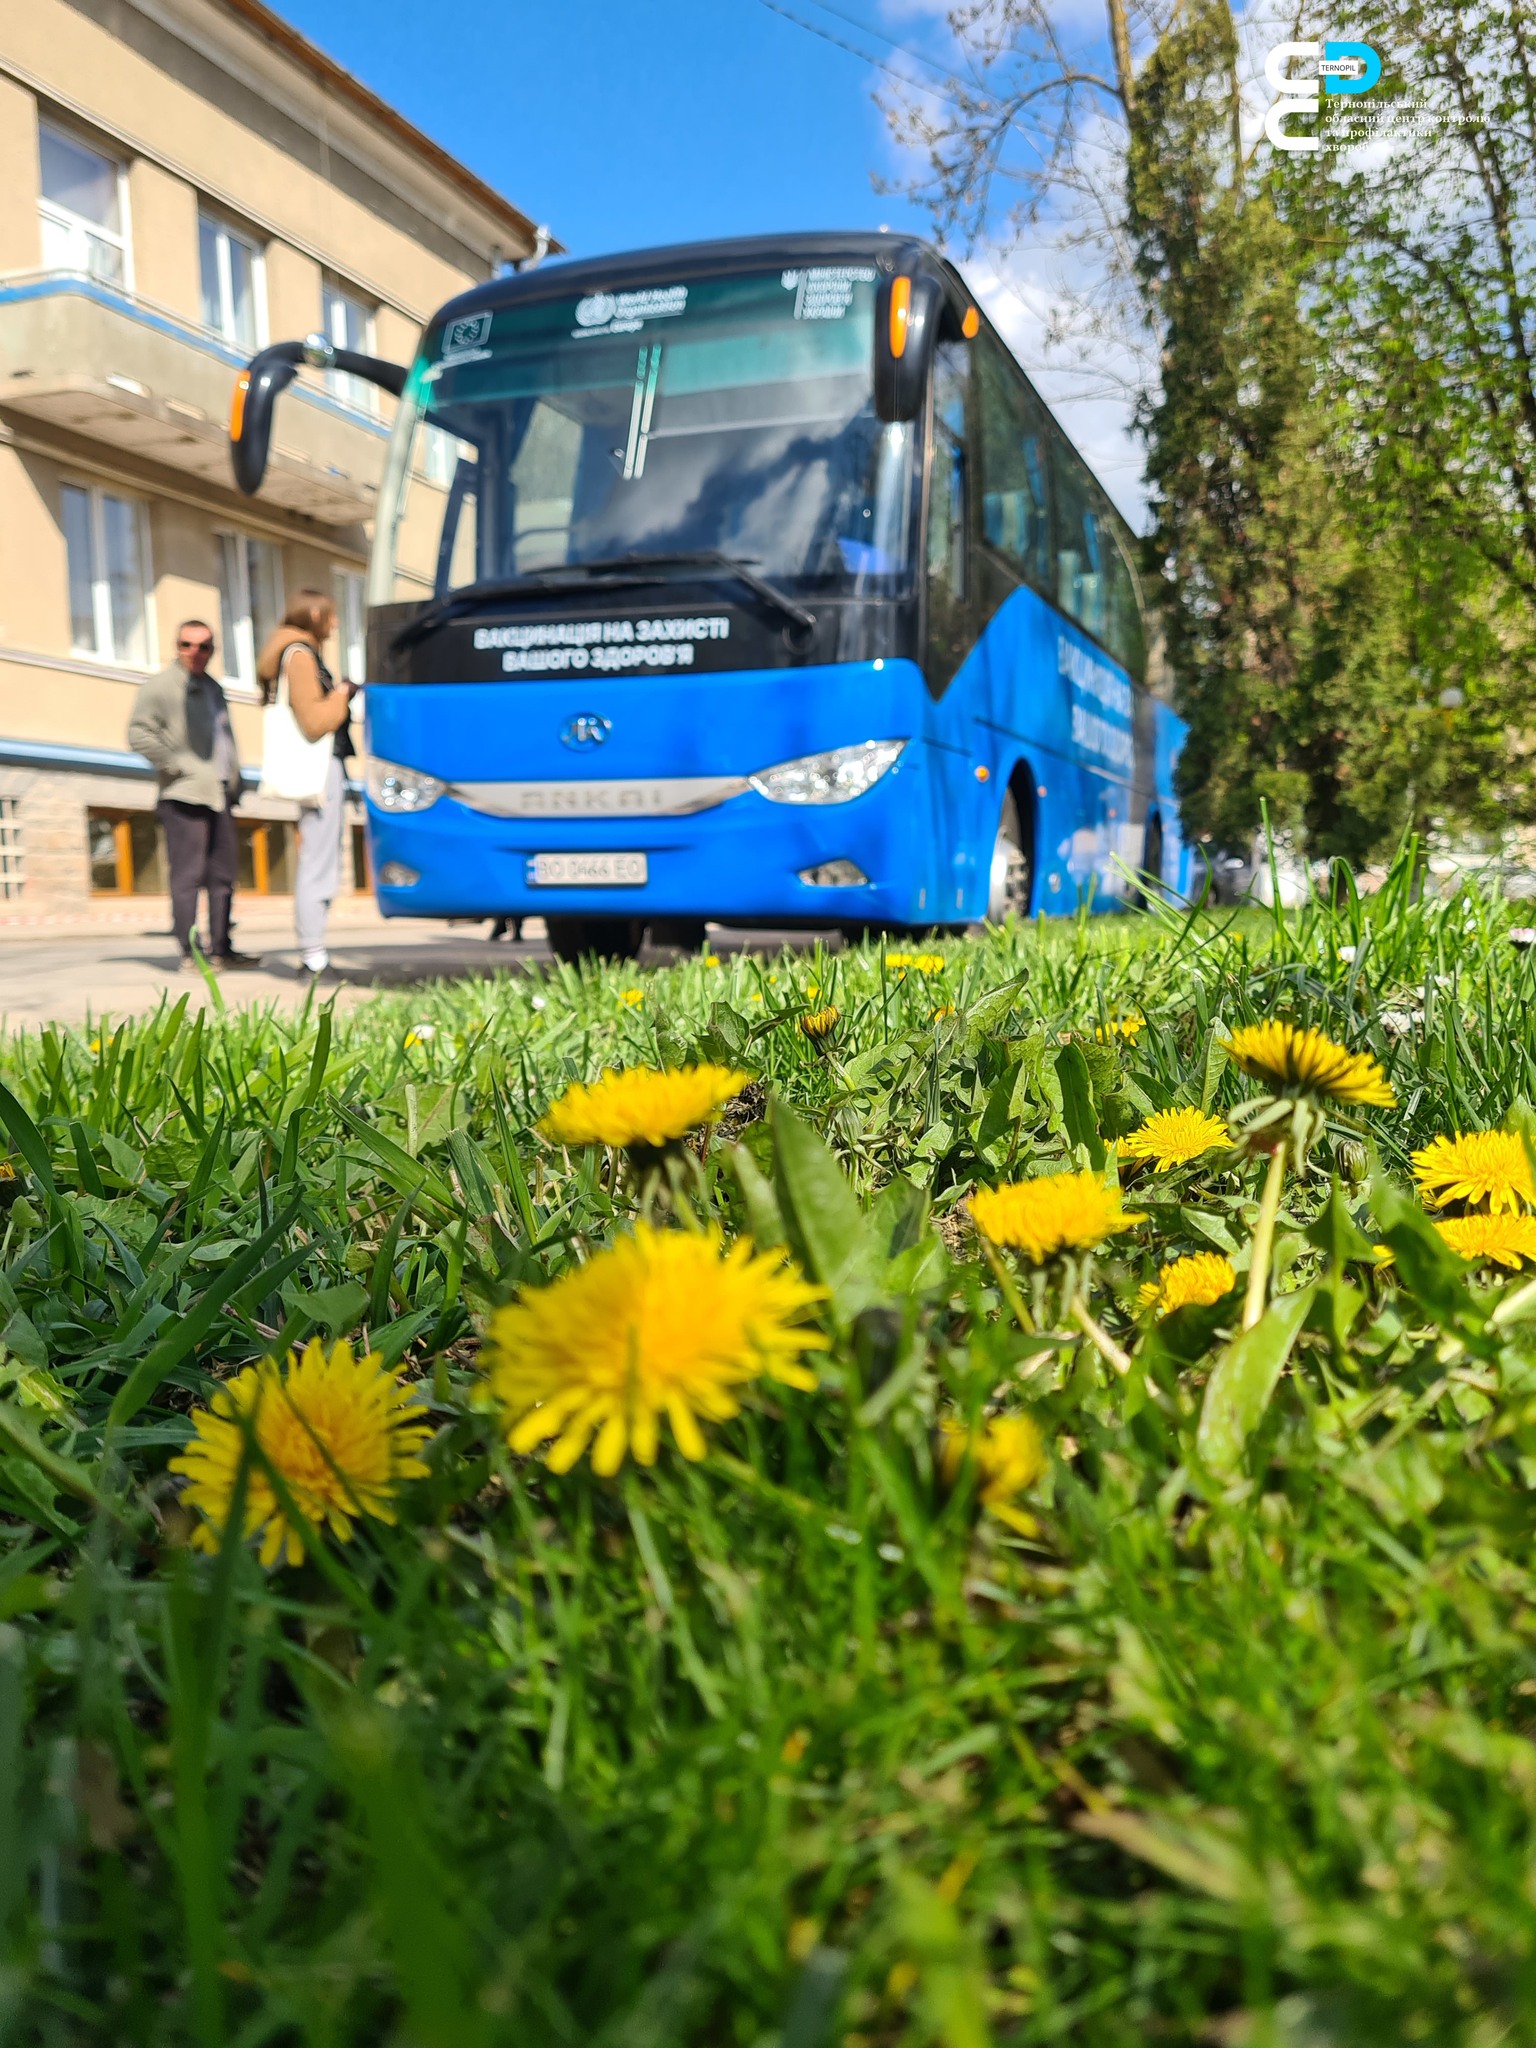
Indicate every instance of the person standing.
{"type": "Point", "coordinates": [181, 725]}
{"type": "Point", "coordinates": [320, 705]}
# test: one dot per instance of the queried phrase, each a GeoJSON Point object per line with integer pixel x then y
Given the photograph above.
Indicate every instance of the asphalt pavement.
{"type": "Point", "coordinates": [112, 961]}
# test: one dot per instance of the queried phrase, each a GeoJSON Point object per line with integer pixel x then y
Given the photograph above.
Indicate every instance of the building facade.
{"type": "Point", "coordinates": [182, 181]}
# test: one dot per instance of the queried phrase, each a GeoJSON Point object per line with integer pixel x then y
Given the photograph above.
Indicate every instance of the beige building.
{"type": "Point", "coordinates": [182, 181]}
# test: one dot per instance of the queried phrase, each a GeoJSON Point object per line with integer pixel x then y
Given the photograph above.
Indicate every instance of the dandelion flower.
{"type": "Point", "coordinates": [1008, 1454]}
{"type": "Point", "coordinates": [1128, 1028]}
{"type": "Point", "coordinates": [1491, 1240]}
{"type": "Point", "coordinates": [711, 959]}
{"type": "Point", "coordinates": [1174, 1136]}
{"type": "Point", "coordinates": [340, 1432]}
{"type": "Point", "coordinates": [634, 997]}
{"type": "Point", "coordinates": [1306, 1063]}
{"type": "Point", "coordinates": [666, 1323]}
{"type": "Point", "coordinates": [420, 1034]}
{"type": "Point", "coordinates": [1193, 1282]}
{"type": "Point", "coordinates": [821, 1023]}
{"type": "Point", "coordinates": [944, 1010]}
{"type": "Point", "coordinates": [640, 1105]}
{"type": "Point", "coordinates": [7, 1171]}
{"type": "Point", "coordinates": [900, 959]}
{"type": "Point", "coordinates": [1058, 1212]}
{"type": "Point", "coordinates": [1476, 1166]}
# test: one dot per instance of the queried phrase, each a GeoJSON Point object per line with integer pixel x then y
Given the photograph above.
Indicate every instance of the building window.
{"type": "Point", "coordinates": [265, 858]}
{"type": "Point", "coordinates": [349, 324]}
{"type": "Point", "coordinates": [351, 647]}
{"type": "Point", "coordinates": [125, 852]}
{"type": "Point", "coordinates": [83, 208]}
{"type": "Point", "coordinates": [231, 280]}
{"type": "Point", "coordinates": [12, 871]}
{"type": "Point", "coordinates": [250, 601]}
{"type": "Point", "coordinates": [107, 545]}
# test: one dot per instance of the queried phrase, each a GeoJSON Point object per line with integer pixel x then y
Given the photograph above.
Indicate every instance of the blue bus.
{"type": "Point", "coordinates": [748, 581]}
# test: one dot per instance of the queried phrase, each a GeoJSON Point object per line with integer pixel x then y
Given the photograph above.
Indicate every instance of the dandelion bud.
{"type": "Point", "coordinates": [1352, 1160]}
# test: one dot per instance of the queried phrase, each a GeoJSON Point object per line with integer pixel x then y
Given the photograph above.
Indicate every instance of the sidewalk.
{"type": "Point", "coordinates": [118, 959]}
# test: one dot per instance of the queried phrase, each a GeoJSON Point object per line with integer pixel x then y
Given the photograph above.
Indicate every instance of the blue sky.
{"type": "Point", "coordinates": [627, 122]}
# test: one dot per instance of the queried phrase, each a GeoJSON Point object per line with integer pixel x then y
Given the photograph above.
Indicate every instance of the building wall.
{"type": "Point", "coordinates": [207, 113]}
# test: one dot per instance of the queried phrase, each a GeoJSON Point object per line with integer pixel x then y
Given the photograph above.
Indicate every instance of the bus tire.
{"type": "Point", "coordinates": [1011, 877]}
{"type": "Point", "coordinates": [1151, 863]}
{"type": "Point", "coordinates": [609, 938]}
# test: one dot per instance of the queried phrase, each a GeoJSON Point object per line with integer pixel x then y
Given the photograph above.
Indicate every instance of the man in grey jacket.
{"type": "Point", "coordinates": [181, 724]}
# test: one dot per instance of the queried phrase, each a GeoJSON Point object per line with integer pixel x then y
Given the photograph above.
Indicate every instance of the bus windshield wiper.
{"type": "Point", "coordinates": [614, 570]}
{"type": "Point", "coordinates": [715, 561]}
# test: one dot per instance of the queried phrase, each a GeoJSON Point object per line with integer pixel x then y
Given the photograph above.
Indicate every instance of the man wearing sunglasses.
{"type": "Point", "coordinates": [181, 724]}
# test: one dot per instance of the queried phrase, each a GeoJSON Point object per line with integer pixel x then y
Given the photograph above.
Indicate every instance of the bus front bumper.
{"type": "Point", "coordinates": [743, 861]}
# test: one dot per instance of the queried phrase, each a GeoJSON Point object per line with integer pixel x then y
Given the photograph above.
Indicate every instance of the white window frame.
{"type": "Point", "coordinates": [105, 647]}
{"type": "Point", "coordinates": [227, 232]}
{"type": "Point", "coordinates": [65, 217]}
{"type": "Point", "coordinates": [13, 859]}
{"type": "Point", "coordinates": [348, 587]}
{"type": "Point", "coordinates": [354, 391]}
{"type": "Point", "coordinates": [237, 619]}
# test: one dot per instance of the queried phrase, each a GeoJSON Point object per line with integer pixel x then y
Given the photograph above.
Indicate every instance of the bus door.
{"type": "Point", "coordinates": [952, 662]}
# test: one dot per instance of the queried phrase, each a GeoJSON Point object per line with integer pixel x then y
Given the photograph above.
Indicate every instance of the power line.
{"type": "Point", "coordinates": [837, 42]}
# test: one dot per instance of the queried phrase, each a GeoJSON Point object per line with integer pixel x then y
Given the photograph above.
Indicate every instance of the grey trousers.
{"type": "Point", "coordinates": [321, 830]}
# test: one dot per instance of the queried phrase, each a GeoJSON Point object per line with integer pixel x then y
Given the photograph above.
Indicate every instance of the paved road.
{"type": "Point", "coordinates": [69, 970]}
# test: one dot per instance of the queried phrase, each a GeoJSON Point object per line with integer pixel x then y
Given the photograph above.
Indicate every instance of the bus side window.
{"type": "Point", "coordinates": [1015, 490]}
{"type": "Point", "coordinates": [949, 626]}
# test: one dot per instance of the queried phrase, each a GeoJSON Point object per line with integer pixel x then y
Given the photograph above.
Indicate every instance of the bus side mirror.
{"type": "Point", "coordinates": [907, 315]}
{"type": "Point", "coordinates": [257, 388]}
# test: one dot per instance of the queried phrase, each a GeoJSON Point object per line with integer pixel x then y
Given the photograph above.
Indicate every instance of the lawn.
{"type": "Point", "coordinates": [1033, 1645]}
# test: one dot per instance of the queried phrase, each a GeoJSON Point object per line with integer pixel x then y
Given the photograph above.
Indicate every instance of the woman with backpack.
{"type": "Point", "coordinates": [320, 705]}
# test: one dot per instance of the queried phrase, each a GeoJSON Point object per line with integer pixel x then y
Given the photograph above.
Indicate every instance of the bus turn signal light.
{"type": "Point", "coordinates": [970, 326]}
{"type": "Point", "coordinates": [901, 306]}
{"type": "Point", "coordinates": [237, 405]}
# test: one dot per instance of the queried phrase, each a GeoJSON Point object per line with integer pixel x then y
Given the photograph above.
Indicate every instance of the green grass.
{"type": "Point", "coordinates": [791, 1747]}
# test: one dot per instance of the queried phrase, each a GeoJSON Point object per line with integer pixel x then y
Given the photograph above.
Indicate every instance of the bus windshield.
{"type": "Point", "coordinates": [728, 415]}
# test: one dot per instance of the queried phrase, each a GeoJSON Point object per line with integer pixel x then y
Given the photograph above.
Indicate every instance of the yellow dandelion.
{"type": "Point", "coordinates": [7, 1171]}
{"type": "Point", "coordinates": [1300, 1062]}
{"type": "Point", "coordinates": [1490, 1240]}
{"type": "Point", "coordinates": [900, 960]}
{"type": "Point", "coordinates": [640, 1105]}
{"type": "Point", "coordinates": [95, 1045]}
{"type": "Point", "coordinates": [1128, 1028]}
{"type": "Point", "coordinates": [634, 997]}
{"type": "Point", "coordinates": [944, 1010]}
{"type": "Point", "coordinates": [1476, 1166]}
{"type": "Point", "coordinates": [340, 1432]}
{"type": "Point", "coordinates": [711, 959]}
{"type": "Point", "coordinates": [929, 963]}
{"type": "Point", "coordinates": [1174, 1136]}
{"type": "Point", "coordinates": [1058, 1212]}
{"type": "Point", "coordinates": [667, 1323]}
{"type": "Point", "coordinates": [821, 1023]}
{"type": "Point", "coordinates": [1193, 1282]}
{"type": "Point", "coordinates": [1009, 1456]}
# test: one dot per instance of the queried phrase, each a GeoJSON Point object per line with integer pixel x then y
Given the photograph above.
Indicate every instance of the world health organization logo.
{"type": "Point", "coordinates": [596, 310]}
{"type": "Point", "coordinates": [1344, 67]}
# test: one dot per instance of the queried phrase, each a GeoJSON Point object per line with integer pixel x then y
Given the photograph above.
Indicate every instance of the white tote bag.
{"type": "Point", "coordinates": [292, 767]}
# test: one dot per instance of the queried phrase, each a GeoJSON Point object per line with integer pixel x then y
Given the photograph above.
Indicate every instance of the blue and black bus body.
{"type": "Point", "coordinates": [821, 670]}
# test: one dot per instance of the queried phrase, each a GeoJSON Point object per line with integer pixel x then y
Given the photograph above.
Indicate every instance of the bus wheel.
{"type": "Point", "coordinates": [1011, 882]}
{"type": "Point", "coordinates": [1151, 863]}
{"type": "Point", "coordinates": [610, 938]}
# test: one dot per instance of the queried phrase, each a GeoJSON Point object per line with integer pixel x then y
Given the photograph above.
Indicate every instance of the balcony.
{"type": "Point", "coordinates": [93, 359]}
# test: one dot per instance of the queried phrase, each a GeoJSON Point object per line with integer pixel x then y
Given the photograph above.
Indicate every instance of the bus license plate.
{"type": "Point", "coordinates": [587, 870]}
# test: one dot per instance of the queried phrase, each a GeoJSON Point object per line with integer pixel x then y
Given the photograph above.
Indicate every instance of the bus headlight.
{"type": "Point", "coordinates": [394, 788]}
{"type": "Point", "coordinates": [832, 778]}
